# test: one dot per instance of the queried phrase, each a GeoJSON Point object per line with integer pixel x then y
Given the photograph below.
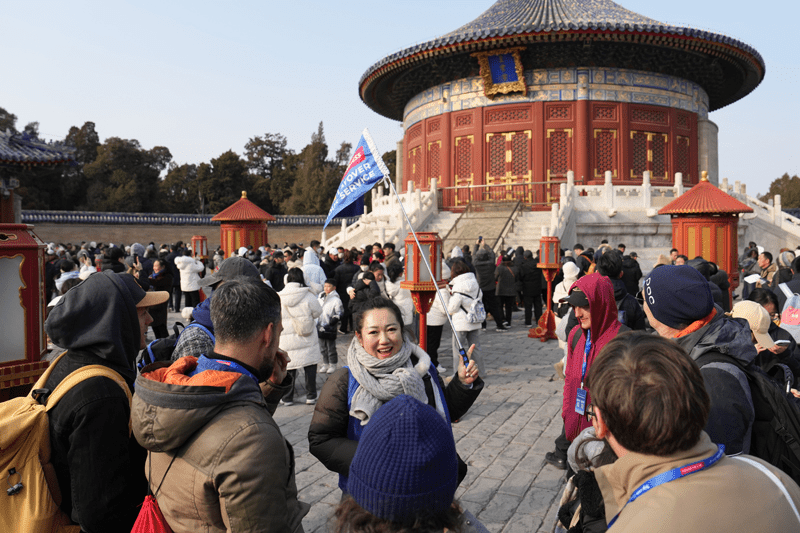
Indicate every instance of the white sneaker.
{"type": "Point", "coordinates": [322, 369]}
{"type": "Point", "coordinates": [332, 369]}
{"type": "Point", "coordinates": [441, 369]}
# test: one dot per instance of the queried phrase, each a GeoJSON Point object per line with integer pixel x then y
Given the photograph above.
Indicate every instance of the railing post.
{"type": "Point", "coordinates": [678, 184]}
{"type": "Point", "coordinates": [382, 235]}
{"type": "Point", "coordinates": [344, 229]}
{"type": "Point", "coordinates": [647, 195]}
{"type": "Point", "coordinates": [554, 217]}
{"type": "Point", "coordinates": [571, 184]}
{"type": "Point", "coordinates": [737, 187]}
{"type": "Point", "coordinates": [609, 190]}
{"type": "Point", "coordinates": [410, 186]}
{"type": "Point", "coordinates": [724, 185]}
{"type": "Point", "coordinates": [744, 189]}
{"type": "Point", "coordinates": [777, 214]}
{"type": "Point", "coordinates": [435, 197]}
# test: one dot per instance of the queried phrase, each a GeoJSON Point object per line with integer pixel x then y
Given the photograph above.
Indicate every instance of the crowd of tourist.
{"type": "Point", "coordinates": [657, 379]}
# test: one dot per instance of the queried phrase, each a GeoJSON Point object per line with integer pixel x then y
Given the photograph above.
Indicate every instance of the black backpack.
{"type": "Point", "coordinates": [776, 428]}
{"type": "Point", "coordinates": [162, 349]}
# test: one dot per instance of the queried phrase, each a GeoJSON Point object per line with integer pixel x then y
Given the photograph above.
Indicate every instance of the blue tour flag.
{"type": "Point", "coordinates": [366, 168]}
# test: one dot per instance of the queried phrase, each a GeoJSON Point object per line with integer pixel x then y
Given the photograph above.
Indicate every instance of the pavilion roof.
{"type": "Point", "coordinates": [23, 149]}
{"type": "Point", "coordinates": [705, 198]}
{"type": "Point", "coordinates": [559, 33]}
{"type": "Point", "coordinates": [243, 210]}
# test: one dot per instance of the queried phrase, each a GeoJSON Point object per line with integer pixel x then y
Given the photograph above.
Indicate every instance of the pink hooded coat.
{"type": "Point", "coordinates": [604, 327]}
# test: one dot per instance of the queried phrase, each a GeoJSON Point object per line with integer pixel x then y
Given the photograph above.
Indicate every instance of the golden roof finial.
{"type": "Point", "coordinates": [244, 194]}
{"type": "Point", "coordinates": [705, 175]}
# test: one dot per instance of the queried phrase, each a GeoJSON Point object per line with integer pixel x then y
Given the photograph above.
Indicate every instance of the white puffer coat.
{"type": "Point", "coordinates": [299, 308]}
{"type": "Point", "coordinates": [402, 299]}
{"type": "Point", "coordinates": [313, 274]}
{"type": "Point", "coordinates": [437, 316]}
{"type": "Point", "coordinates": [463, 290]}
{"type": "Point", "coordinates": [189, 269]}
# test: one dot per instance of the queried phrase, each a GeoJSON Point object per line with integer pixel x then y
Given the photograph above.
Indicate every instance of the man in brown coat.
{"type": "Point", "coordinates": [207, 423]}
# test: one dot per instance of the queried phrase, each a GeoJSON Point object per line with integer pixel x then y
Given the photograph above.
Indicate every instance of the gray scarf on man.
{"type": "Point", "coordinates": [381, 380]}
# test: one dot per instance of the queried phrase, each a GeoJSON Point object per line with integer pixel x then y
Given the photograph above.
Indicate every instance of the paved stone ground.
{"type": "Point", "coordinates": [503, 438]}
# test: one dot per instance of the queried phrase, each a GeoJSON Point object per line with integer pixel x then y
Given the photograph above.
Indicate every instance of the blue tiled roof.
{"type": "Point", "coordinates": [19, 148]}
{"type": "Point", "coordinates": [511, 20]}
{"type": "Point", "coordinates": [168, 219]}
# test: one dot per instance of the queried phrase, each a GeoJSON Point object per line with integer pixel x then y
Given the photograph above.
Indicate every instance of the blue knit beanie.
{"type": "Point", "coordinates": [405, 464]}
{"type": "Point", "coordinates": [677, 295]}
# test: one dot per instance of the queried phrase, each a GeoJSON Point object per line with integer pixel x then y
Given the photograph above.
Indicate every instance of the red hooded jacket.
{"type": "Point", "coordinates": [605, 326]}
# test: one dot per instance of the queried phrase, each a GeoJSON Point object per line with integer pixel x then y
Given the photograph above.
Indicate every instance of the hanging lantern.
{"type": "Point", "coordinates": [549, 264]}
{"type": "Point", "coordinates": [418, 279]}
{"type": "Point", "coordinates": [199, 247]}
{"type": "Point", "coordinates": [22, 306]}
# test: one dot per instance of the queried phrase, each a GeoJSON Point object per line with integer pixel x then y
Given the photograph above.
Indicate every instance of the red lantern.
{"type": "Point", "coordinates": [549, 264]}
{"type": "Point", "coordinates": [22, 306]}
{"type": "Point", "coordinates": [199, 247]}
{"type": "Point", "coordinates": [418, 277]}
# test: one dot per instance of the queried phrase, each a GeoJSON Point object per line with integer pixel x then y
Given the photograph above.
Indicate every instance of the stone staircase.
{"type": "Point", "coordinates": [487, 220]}
{"type": "Point", "coordinates": [527, 230]}
{"type": "Point", "coordinates": [442, 223]}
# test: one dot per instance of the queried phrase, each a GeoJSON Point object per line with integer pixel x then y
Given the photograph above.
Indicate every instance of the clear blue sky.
{"type": "Point", "coordinates": [203, 77]}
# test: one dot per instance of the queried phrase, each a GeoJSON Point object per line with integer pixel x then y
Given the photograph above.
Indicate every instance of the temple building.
{"type": "Point", "coordinates": [504, 106]}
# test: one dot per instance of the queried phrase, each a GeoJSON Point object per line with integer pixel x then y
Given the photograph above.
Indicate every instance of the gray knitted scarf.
{"type": "Point", "coordinates": [381, 380]}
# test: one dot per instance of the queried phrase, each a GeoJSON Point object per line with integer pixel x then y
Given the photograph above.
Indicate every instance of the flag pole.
{"type": "Point", "coordinates": [461, 350]}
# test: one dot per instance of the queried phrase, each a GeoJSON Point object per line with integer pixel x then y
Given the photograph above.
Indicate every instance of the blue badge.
{"type": "Point", "coordinates": [580, 402]}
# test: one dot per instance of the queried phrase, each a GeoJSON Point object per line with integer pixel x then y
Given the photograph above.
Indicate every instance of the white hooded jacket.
{"type": "Point", "coordinates": [189, 268]}
{"type": "Point", "coordinates": [299, 308]}
{"type": "Point", "coordinates": [463, 290]}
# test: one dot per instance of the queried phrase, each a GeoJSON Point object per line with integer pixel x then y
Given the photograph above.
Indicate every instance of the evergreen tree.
{"type": "Point", "coordinates": [788, 188]}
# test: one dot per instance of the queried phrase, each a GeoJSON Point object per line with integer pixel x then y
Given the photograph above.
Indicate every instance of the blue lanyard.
{"type": "Point", "coordinates": [671, 475]}
{"type": "Point", "coordinates": [586, 354]}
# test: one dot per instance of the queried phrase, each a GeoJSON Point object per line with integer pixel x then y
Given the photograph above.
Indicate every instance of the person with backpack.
{"type": "Point", "coordinates": [679, 305]}
{"type": "Point", "coordinates": [650, 402]}
{"type": "Point", "coordinates": [787, 289]}
{"type": "Point", "coordinates": [592, 298]}
{"type": "Point", "coordinates": [332, 313]}
{"type": "Point", "coordinates": [99, 466]}
{"type": "Point", "coordinates": [382, 364]}
{"type": "Point", "coordinates": [464, 295]}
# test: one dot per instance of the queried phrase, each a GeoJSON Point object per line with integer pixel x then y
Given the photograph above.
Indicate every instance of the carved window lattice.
{"type": "Point", "coordinates": [415, 164]}
{"type": "Point", "coordinates": [683, 121]}
{"type": "Point", "coordinates": [559, 152]}
{"type": "Point", "coordinates": [507, 115]}
{"type": "Point", "coordinates": [659, 144]}
{"type": "Point", "coordinates": [415, 132]}
{"type": "Point", "coordinates": [519, 155]}
{"type": "Point", "coordinates": [605, 151]}
{"type": "Point", "coordinates": [434, 151]}
{"type": "Point", "coordinates": [463, 120]}
{"type": "Point", "coordinates": [639, 153]}
{"type": "Point", "coordinates": [682, 156]}
{"type": "Point", "coordinates": [651, 116]}
{"type": "Point", "coordinates": [434, 125]}
{"type": "Point", "coordinates": [604, 112]}
{"type": "Point", "coordinates": [497, 156]}
{"type": "Point", "coordinates": [558, 113]}
{"type": "Point", "coordinates": [463, 158]}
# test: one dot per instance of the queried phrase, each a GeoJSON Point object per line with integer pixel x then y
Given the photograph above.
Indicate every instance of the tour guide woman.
{"type": "Point", "coordinates": [381, 366]}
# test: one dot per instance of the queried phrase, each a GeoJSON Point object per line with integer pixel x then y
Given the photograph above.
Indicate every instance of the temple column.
{"type": "Point", "coordinates": [707, 149]}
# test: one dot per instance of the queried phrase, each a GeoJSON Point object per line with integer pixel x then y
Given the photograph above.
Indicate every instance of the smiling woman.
{"type": "Point", "coordinates": [381, 365]}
